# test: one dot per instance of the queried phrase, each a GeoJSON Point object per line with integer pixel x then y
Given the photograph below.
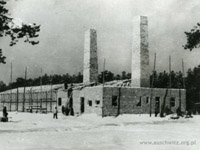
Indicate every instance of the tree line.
{"type": "Point", "coordinates": [59, 79]}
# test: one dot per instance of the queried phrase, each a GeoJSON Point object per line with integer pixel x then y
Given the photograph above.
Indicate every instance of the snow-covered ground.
{"type": "Point", "coordinates": [27, 131]}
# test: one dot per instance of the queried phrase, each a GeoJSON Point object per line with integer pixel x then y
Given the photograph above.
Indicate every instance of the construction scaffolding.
{"type": "Point", "coordinates": [31, 99]}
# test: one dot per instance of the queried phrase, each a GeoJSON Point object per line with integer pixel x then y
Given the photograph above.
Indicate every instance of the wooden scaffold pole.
{"type": "Point", "coordinates": [152, 85]}
{"type": "Point", "coordinates": [46, 100]}
{"type": "Point", "coordinates": [170, 78]}
{"type": "Point", "coordinates": [24, 94]}
{"type": "Point", "coordinates": [11, 87]}
{"type": "Point", "coordinates": [51, 99]}
{"type": "Point", "coordinates": [183, 70]}
{"type": "Point", "coordinates": [183, 84]}
{"type": "Point", "coordinates": [17, 101]}
{"type": "Point", "coordinates": [104, 65]}
{"type": "Point", "coordinates": [41, 96]}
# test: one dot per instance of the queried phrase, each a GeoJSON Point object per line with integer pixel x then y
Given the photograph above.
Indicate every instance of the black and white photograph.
{"type": "Point", "coordinates": [99, 75]}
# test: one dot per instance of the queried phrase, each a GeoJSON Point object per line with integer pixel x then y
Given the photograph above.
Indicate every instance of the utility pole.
{"type": "Point", "coordinates": [154, 69]}
{"type": "Point", "coordinates": [24, 96]}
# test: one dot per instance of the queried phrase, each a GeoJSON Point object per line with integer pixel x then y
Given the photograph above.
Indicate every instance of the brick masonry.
{"type": "Point", "coordinates": [140, 53]}
{"type": "Point", "coordinates": [89, 94]}
{"type": "Point", "coordinates": [129, 98]}
{"type": "Point", "coordinates": [90, 67]}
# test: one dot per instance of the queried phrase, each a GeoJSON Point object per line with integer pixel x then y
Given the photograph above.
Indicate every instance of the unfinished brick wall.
{"type": "Point", "coordinates": [77, 94]}
{"type": "Point", "coordinates": [62, 95]}
{"type": "Point", "coordinates": [130, 97]}
{"type": "Point", "coordinates": [92, 94]}
{"type": "Point", "coordinates": [140, 53]}
{"type": "Point", "coordinates": [90, 67]}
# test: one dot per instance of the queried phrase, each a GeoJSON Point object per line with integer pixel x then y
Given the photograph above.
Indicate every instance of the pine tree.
{"type": "Point", "coordinates": [8, 28]}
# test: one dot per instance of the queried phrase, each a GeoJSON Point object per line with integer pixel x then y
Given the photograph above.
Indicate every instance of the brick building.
{"type": "Point", "coordinates": [132, 96]}
{"type": "Point", "coordinates": [124, 97]}
{"type": "Point", "coordinates": [114, 100]}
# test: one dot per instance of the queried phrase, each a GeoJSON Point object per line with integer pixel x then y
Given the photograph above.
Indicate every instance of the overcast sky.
{"type": "Point", "coordinates": [63, 23]}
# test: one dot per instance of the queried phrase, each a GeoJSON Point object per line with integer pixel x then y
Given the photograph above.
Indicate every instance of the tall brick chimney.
{"type": "Point", "coordinates": [140, 53]}
{"type": "Point", "coordinates": [90, 64]}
